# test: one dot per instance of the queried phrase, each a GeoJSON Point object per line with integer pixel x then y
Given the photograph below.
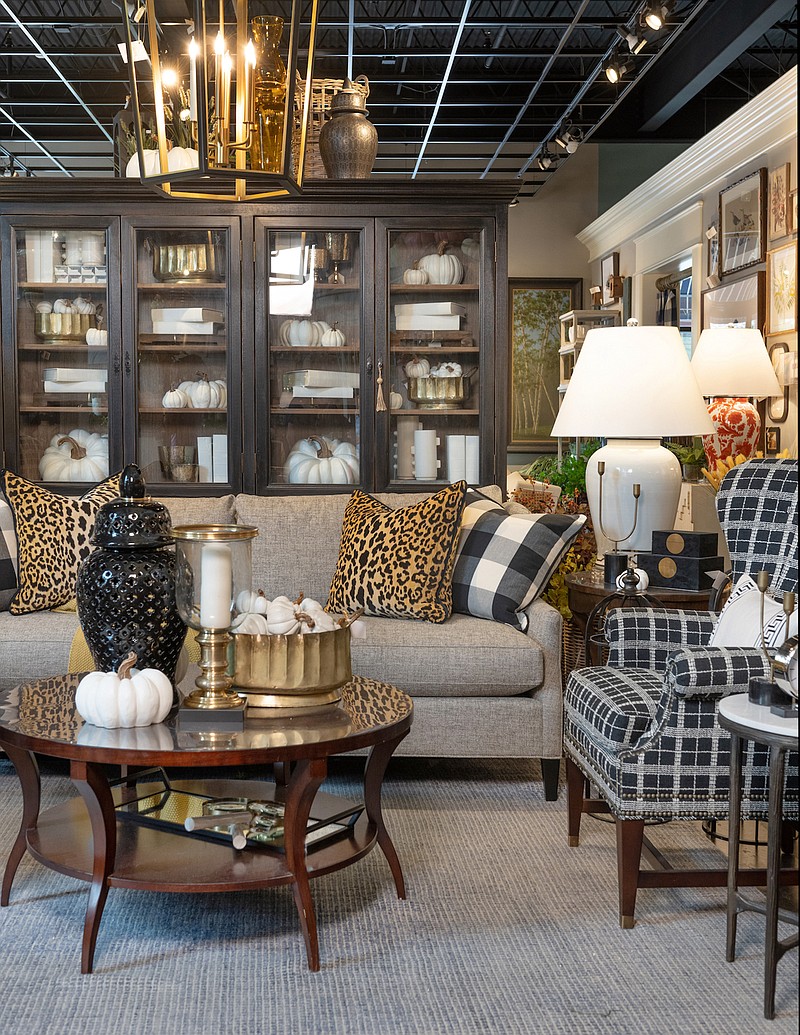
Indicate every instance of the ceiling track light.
{"type": "Point", "coordinates": [618, 67]}
{"type": "Point", "coordinates": [569, 138]}
{"type": "Point", "coordinates": [545, 160]}
{"type": "Point", "coordinates": [655, 15]}
{"type": "Point", "coordinates": [635, 42]}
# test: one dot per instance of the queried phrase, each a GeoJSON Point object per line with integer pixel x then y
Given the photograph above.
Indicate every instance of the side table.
{"type": "Point", "coordinates": [746, 721]}
{"type": "Point", "coordinates": [585, 590]}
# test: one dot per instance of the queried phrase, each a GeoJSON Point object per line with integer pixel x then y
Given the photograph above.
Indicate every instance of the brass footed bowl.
{"type": "Point", "coordinates": [294, 671]}
{"type": "Point", "coordinates": [437, 393]}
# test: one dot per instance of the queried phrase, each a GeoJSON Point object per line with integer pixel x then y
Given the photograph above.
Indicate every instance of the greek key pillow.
{"type": "Point", "coordinates": [504, 561]}
{"type": "Point", "coordinates": [739, 622]}
{"type": "Point", "coordinates": [398, 563]}
{"type": "Point", "coordinates": [53, 537]}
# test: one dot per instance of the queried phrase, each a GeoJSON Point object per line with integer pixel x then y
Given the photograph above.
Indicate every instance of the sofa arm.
{"type": "Point", "coordinates": [714, 671]}
{"type": "Point", "coordinates": [645, 637]}
{"type": "Point", "coordinates": [545, 626]}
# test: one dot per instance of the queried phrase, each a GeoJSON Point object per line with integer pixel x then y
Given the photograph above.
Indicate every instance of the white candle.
{"type": "Point", "coordinates": [193, 50]}
{"type": "Point", "coordinates": [216, 586]}
{"type": "Point", "coordinates": [219, 50]}
{"type": "Point", "coordinates": [249, 81]}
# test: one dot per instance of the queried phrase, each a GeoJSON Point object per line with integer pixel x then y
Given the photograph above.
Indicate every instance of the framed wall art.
{"type": "Point", "coordinates": [779, 214]}
{"type": "Point", "coordinates": [610, 279]}
{"type": "Point", "coordinates": [712, 236]}
{"type": "Point", "coordinates": [742, 223]}
{"type": "Point", "coordinates": [779, 348]}
{"type": "Point", "coordinates": [740, 303]}
{"type": "Point", "coordinates": [534, 308]}
{"type": "Point", "coordinates": [773, 441]}
{"type": "Point", "coordinates": [782, 289]}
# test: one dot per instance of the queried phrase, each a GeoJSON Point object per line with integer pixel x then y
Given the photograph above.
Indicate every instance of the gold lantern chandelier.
{"type": "Point", "coordinates": [224, 114]}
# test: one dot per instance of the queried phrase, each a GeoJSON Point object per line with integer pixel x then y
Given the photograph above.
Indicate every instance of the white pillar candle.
{"type": "Point", "coordinates": [472, 459]}
{"type": "Point", "coordinates": [456, 458]}
{"type": "Point", "coordinates": [426, 463]}
{"type": "Point", "coordinates": [193, 50]}
{"type": "Point", "coordinates": [216, 586]}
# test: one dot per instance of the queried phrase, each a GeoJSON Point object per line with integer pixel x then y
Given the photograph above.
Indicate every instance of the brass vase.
{"type": "Point", "coordinates": [269, 101]}
{"type": "Point", "coordinates": [348, 142]}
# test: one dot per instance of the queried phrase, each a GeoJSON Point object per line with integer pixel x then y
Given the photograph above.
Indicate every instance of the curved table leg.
{"type": "Point", "coordinates": [28, 772]}
{"type": "Point", "coordinates": [306, 778]}
{"type": "Point", "coordinates": [373, 779]}
{"type": "Point", "coordinates": [93, 787]}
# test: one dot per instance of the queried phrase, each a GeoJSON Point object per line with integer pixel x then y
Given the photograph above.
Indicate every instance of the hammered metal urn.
{"type": "Point", "coordinates": [348, 142]}
{"type": "Point", "coordinates": [126, 586]}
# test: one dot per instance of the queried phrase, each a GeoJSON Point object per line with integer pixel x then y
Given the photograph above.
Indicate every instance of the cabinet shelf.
{"type": "Point", "coordinates": [194, 286]}
{"type": "Point", "coordinates": [58, 346]}
{"type": "Point", "coordinates": [180, 410]}
{"type": "Point", "coordinates": [434, 349]}
{"type": "Point", "coordinates": [165, 343]}
{"type": "Point", "coordinates": [456, 411]}
{"type": "Point", "coordinates": [414, 337]}
{"type": "Point", "coordinates": [77, 286]}
{"type": "Point", "coordinates": [42, 408]}
{"type": "Point", "coordinates": [294, 411]}
{"type": "Point", "coordinates": [327, 349]}
{"type": "Point", "coordinates": [430, 289]}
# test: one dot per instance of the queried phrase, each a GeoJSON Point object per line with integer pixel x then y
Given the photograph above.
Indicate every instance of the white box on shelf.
{"type": "Point", "coordinates": [321, 378]}
{"type": "Point", "coordinates": [406, 426]}
{"type": "Point", "coordinates": [54, 387]}
{"type": "Point", "coordinates": [456, 458]}
{"type": "Point", "coordinates": [219, 453]}
{"type": "Point", "coordinates": [189, 314]}
{"type": "Point", "coordinates": [183, 327]}
{"type": "Point", "coordinates": [472, 458]}
{"type": "Point", "coordinates": [429, 309]}
{"type": "Point", "coordinates": [75, 374]}
{"type": "Point", "coordinates": [421, 322]}
{"type": "Point", "coordinates": [205, 464]}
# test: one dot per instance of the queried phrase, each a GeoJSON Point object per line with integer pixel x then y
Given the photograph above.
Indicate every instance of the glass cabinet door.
{"type": "Point", "coordinates": [437, 328]}
{"type": "Point", "coordinates": [58, 334]}
{"type": "Point", "coordinates": [309, 354]}
{"type": "Point", "coordinates": [188, 357]}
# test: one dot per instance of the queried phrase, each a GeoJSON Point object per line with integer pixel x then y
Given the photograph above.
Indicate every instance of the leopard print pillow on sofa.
{"type": "Point", "coordinates": [398, 563]}
{"type": "Point", "coordinates": [53, 537]}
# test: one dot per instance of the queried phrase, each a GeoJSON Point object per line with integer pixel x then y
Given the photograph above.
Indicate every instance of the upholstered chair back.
{"type": "Point", "coordinates": [757, 508]}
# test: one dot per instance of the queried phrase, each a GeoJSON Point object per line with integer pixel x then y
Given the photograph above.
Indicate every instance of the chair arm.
{"type": "Point", "coordinates": [645, 637]}
{"type": "Point", "coordinates": [714, 671]}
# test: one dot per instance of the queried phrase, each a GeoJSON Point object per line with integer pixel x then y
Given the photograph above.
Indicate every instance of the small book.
{"type": "Point", "coordinates": [54, 387]}
{"type": "Point", "coordinates": [219, 453]}
{"type": "Point", "coordinates": [321, 378]}
{"type": "Point", "coordinates": [183, 327]}
{"type": "Point", "coordinates": [204, 458]}
{"type": "Point", "coordinates": [75, 374]}
{"type": "Point", "coordinates": [429, 309]}
{"type": "Point", "coordinates": [188, 314]}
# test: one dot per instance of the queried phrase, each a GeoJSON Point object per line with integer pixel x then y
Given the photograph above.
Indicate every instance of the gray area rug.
{"type": "Point", "coordinates": [505, 930]}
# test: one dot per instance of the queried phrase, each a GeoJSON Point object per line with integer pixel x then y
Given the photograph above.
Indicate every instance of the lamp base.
{"type": "Point", "coordinates": [737, 427]}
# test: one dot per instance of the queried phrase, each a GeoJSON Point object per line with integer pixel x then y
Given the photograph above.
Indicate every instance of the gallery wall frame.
{"type": "Point", "coordinates": [778, 347]}
{"type": "Point", "coordinates": [782, 289]}
{"type": "Point", "coordinates": [534, 308]}
{"type": "Point", "coordinates": [779, 220]}
{"type": "Point", "coordinates": [740, 301]}
{"type": "Point", "coordinates": [743, 223]}
{"type": "Point", "coordinates": [610, 278]}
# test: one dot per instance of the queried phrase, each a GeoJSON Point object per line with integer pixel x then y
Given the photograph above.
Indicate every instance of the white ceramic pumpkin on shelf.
{"type": "Point", "coordinates": [250, 623]}
{"type": "Point", "coordinates": [282, 617]}
{"type": "Point", "coordinates": [80, 456]}
{"type": "Point", "coordinates": [320, 328]}
{"type": "Point", "coordinates": [322, 461]}
{"type": "Point", "coordinates": [415, 276]}
{"type": "Point", "coordinates": [395, 400]}
{"type": "Point", "coordinates": [83, 306]}
{"type": "Point", "coordinates": [301, 333]}
{"type": "Point", "coordinates": [96, 338]}
{"type": "Point", "coordinates": [124, 698]}
{"type": "Point", "coordinates": [417, 367]}
{"type": "Point", "coordinates": [179, 158]}
{"type": "Point", "coordinates": [174, 399]}
{"type": "Point", "coordinates": [222, 389]}
{"type": "Point", "coordinates": [442, 267]}
{"type": "Point", "coordinates": [446, 370]}
{"type": "Point", "coordinates": [62, 305]}
{"type": "Point", "coordinates": [202, 393]}
{"type": "Point", "coordinates": [333, 338]}
{"type": "Point", "coordinates": [471, 248]}
{"type": "Point", "coordinates": [252, 601]}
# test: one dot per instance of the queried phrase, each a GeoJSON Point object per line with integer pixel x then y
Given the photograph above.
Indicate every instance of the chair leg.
{"type": "Point", "coordinates": [575, 787]}
{"type": "Point", "coordinates": [630, 834]}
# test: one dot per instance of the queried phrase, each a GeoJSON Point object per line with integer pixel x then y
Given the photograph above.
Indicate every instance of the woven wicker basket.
{"type": "Point", "coordinates": [572, 652]}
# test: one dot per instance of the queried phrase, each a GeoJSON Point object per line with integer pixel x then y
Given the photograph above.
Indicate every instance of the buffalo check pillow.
{"type": "Point", "coordinates": [504, 561]}
{"type": "Point", "coordinates": [8, 556]}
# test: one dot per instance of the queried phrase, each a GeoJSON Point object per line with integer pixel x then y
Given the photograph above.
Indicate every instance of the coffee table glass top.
{"type": "Point", "coordinates": [45, 710]}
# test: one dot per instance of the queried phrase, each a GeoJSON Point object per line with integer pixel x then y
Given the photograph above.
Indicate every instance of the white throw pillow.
{"type": "Point", "coordinates": [739, 623]}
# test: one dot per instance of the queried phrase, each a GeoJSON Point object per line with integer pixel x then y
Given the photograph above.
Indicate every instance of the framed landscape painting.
{"type": "Point", "coordinates": [534, 308]}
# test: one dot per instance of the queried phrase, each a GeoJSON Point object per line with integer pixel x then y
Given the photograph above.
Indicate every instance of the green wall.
{"type": "Point", "coordinates": [622, 167]}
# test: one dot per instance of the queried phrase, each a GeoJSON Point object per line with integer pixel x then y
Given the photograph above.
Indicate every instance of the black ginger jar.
{"type": "Point", "coordinates": [126, 587]}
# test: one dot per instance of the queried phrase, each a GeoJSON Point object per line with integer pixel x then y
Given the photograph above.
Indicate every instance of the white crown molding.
{"type": "Point", "coordinates": [765, 122]}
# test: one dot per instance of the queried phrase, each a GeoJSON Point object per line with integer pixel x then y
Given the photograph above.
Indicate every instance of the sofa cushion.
{"type": "Point", "coordinates": [34, 645]}
{"type": "Point", "coordinates": [398, 563]}
{"type": "Point", "coordinates": [462, 657]}
{"type": "Point", "coordinates": [504, 561]}
{"type": "Point", "coordinates": [205, 510]}
{"type": "Point", "coordinates": [53, 537]}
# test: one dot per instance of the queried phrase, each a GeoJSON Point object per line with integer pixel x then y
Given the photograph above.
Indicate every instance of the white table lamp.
{"type": "Point", "coordinates": [632, 386]}
{"type": "Point", "coordinates": [731, 363]}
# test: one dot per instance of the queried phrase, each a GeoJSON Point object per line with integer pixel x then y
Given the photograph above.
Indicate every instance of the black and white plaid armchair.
{"type": "Point", "coordinates": [642, 731]}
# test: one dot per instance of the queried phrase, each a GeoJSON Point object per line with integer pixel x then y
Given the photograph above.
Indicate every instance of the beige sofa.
{"type": "Point", "coordinates": [480, 688]}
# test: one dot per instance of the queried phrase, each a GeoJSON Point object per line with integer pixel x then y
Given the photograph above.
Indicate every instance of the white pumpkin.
{"type": "Point", "coordinates": [316, 621]}
{"type": "Point", "coordinates": [152, 164]}
{"type": "Point", "coordinates": [283, 332]}
{"type": "Point", "coordinates": [471, 248]}
{"type": "Point", "coordinates": [321, 461]}
{"type": "Point", "coordinates": [62, 305]}
{"type": "Point", "coordinates": [179, 158]}
{"type": "Point", "coordinates": [417, 367]}
{"type": "Point", "coordinates": [395, 400]}
{"type": "Point", "coordinates": [320, 327]}
{"type": "Point", "coordinates": [174, 399]}
{"type": "Point", "coordinates": [441, 267]}
{"type": "Point", "coordinates": [83, 306]}
{"type": "Point", "coordinates": [446, 370]}
{"type": "Point", "coordinates": [282, 617]}
{"type": "Point", "coordinates": [415, 276]}
{"type": "Point", "coordinates": [96, 338]}
{"type": "Point", "coordinates": [301, 333]}
{"type": "Point", "coordinates": [202, 393]}
{"type": "Point", "coordinates": [44, 307]}
{"type": "Point", "coordinates": [222, 390]}
{"type": "Point", "coordinates": [250, 624]}
{"type": "Point", "coordinates": [124, 698]}
{"type": "Point", "coordinates": [252, 601]}
{"type": "Point", "coordinates": [333, 338]}
{"type": "Point", "coordinates": [79, 456]}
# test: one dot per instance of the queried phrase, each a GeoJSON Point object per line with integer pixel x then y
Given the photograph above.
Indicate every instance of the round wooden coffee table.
{"type": "Point", "coordinates": [155, 852]}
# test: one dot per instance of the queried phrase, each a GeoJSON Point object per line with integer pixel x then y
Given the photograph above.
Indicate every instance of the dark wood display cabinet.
{"type": "Point", "coordinates": [356, 336]}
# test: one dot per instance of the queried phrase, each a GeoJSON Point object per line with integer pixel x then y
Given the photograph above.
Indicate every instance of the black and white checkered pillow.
{"type": "Point", "coordinates": [8, 556]}
{"type": "Point", "coordinates": [504, 561]}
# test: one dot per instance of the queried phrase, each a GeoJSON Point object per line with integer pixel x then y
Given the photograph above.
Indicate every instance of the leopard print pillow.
{"type": "Point", "coordinates": [53, 537]}
{"type": "Point", "coordinates": [398, 563]}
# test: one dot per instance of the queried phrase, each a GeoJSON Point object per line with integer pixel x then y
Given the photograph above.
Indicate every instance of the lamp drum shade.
{"type": "Point", "coordinates": [632, 382]}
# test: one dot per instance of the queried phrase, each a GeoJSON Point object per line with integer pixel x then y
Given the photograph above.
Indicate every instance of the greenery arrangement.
{"type": "Point", "coordinates": [569, 473]}
{"type": "Point", "coordinates": [693, 454]}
